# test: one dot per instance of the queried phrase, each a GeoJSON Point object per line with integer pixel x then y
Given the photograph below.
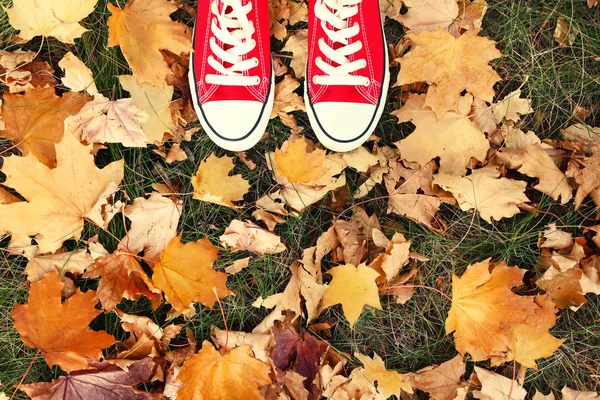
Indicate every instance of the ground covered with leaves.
{"type": "Point", "coordinates": [455, 255]}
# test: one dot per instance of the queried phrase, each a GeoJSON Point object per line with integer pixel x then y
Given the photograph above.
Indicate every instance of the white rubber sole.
{"type": "Point", "coordinates": [232, 145]}
{"type": "Point", "coordinates": [349, 146]}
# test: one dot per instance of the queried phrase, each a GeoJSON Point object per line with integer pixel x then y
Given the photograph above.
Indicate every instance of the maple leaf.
{"type": "Point", "coordinates": [511, 107]}
{"type": "Point", "coordinates": [35, 120]}
{"type": "Point", "coordinates": [298, 165]}
{"type": "Point", "coordinates": [60, 330]}
{"type": "Point", "coordinates": [143, 29]}
{"type": "Point", "coordinates": [156, 102]}
{"type": "Point", "coordinates": [153, 225]}
{"type": "Point", "coordinates": [213, 184]}
{"type": "Point", "coordinates": [78, 77]}
{"type": "Point", "coordinates": [389, 383]}
{"type": "Point", "coordinates": [470, 16]}
{"type": "Point", "coordinates": [210, 376]}
{"type": "Point", "coordinates": [228, 340]}
{"type": "Point", "coordinates": [588, 177]}
{"type": "Point", "coordinates": [428, 15]}
{"type": "Point", "coordinates": [450, 65]}
{"type": "Point", "coordinates": [248, 236]}
{"type": "Point", "coordinates": [484, 191]}
{"type": "Point", "coordinates": [107, 382]}
{"type": "Point", "coordinates": [552, 182]}
{"type": "Point", "coordinates": [442, 381]}
{"type": "Point", "coordinates": [453, 137]}
{"type": "Point", "coordinates": [495, 386]}
{"type": "Point", "coordinates": [185, 274]}
{"type": "Point", "coordinates": [583, 133]}
{"type": "Point", "coordinates": [109, 121]}
{"type": "Point", "coordinates": [353, 288]}
{"type": "Point", "coordinates": [297, 44]}
{"type": "Point", "coordinates": [55, 18]}
{"type": "Point", "coordinates": [287, 101]}
{"type": "Point", "coordinates": [20, 72]}
{"type": "Point", "coordinates": [121, 276]}
{"type": "Point", "coordinates": [67, 195]}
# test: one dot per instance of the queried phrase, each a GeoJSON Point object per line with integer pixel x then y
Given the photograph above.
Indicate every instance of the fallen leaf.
{"type": "Point", "coordinates": [583, 133]}
{"type": "Point", "coordinates": [176, 153]}
{"type": "Point", "coordinates": [555, 238]}
{"type": "Point", "coordinates": [109, 383]}
{"type": "Point", "coordinates": [428, 15]}
{"type": "Point", "coordinates": [287, 101]}
{"type": "Point", "coordinates": [35, 120]}
{"type": "Point", "coordinates": [390, 9]}
{"type": "Point", "coordinates": [54, 18]}
{"type": "Point", "coordinates": [20, 72]}
{"type": "Point", "coordinates": [153, 225]}
{"type": "Point", "coordinates": [450, 65]}
{"type": "Point", "coordinates": [185, 274]}
{"type": "Point", "coordinates": [60, 330]}
{"type": "Point", "coordinates": [389, 383]}
{"type": "Point", "coordinates": [588, 178]}
{"type": "Point", "coordinates": [454, 138]}
{"type": "Point", "coordinates": [353, 288]}
{"type": "Point", "coordinates": [260, 343]}
{"type": "Point", "coordinates": [143, 29]}
{"type": "Point", "coordinates": [571, 394]}
{"type": "Point", "coordinates": [497, 387]}
{"type": "Point", "coordinates": [441, 382]}
{"type": "Point", "coordinates": [154, 101]}
{"type": "Point", "coordinates": [297, 44]}
{"type": "Point", "coordinates": [67, 195]}
{"type": "Point", "coordinates": [566, 32]}
{"type": "Point", "coordinates": [297, 164]}
{"type": "Point", "coordinates": [511, 107]}
{"type": "Point", "coordinates": [121, 277]}
{"type": "Point", "coordinates": [213, 184]}
{"type": "Point", "coordinates": [78, 77]}
{"type": "Point", "coordinates": [484, 191]}
{"type": "Point", "coordinates": [470, 16]}
{"type": "Point", "coordinates": [360, 159]}
{"type": "Point", "coordinates": [237, 266]}
{"type": "Point", "coordinates": [248, 236]}
{"type": "Point", "coordinates": [210, 376]}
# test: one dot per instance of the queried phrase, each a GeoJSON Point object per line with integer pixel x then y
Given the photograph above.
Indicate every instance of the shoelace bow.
{"type": "Point", "coordinates": [342, 33]}
{"type": "Point", "coordinates": [234, 30]}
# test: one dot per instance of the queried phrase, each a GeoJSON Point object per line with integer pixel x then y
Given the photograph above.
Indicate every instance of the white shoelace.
{"type": "Point", "coordinates": [233, 29]}
{"type": "Point", "coordinates": [341, 74]}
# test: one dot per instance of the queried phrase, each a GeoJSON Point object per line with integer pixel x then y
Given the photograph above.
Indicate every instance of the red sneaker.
{"type": "Point", "coordinates": [231, 76]}
{"type": "Point", "coordinates": [347, 74]}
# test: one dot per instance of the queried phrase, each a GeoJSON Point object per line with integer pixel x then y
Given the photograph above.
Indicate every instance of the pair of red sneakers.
{"type": "Point", "coordinates": [233, 84]}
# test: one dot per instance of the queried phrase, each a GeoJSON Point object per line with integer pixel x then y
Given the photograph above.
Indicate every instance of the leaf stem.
{"type": "Point", "coordinates": [25, 374]}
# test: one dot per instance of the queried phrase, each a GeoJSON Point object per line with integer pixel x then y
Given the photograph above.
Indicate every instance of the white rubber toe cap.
{"type": "Point", "coordinates": [343, 126]}
{"type": "Point", "coordinates": [233, 119]}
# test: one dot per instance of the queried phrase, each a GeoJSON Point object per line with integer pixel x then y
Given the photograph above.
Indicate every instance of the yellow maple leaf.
{"type": "Point", "coordinates": [185, 274]}
{"type": "Point", "coordinates": [428, 15]}
{"type": "Point", "coordinates": [143, 29]}
{"type": "Point", "coordinates": [389, 383]}
{"type": "Point", "coordinates": [56, 18]}
{"type": "Point", "coordinates": [35, 120]}
{"type": "Point", "coordinates": [353, 288]}
{"type": "Point", "coordinates": [210, 376]}
{"type": "Point", "coordinates": [450, 65]}
{"type": "Point", "coordinates": [59, 200]}
{"type": "Point", "coordinates": [78, 77]}
{"type": "Point", "coordinates": [297, 164]}
{"type": "Point", "coordinates": [213, 184]}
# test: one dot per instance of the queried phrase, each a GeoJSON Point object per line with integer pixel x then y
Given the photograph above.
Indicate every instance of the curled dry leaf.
{"type": "Point", "coordinates": [248, 236]}
{"type": "Point", "coordinates": [185, 274]}
{"type": "Point", "coordinates": [143, 29]}
{"type": "Point", "coordinates": [586, 173]}
{"type": "Point", "coordinates": [555, 238]}
{"type": "Point", "coordinates": [34, 121]}
{"type": "Point", "coordinates": [428, 15]}
{"type": "Point", "coordinates": [20, 72]}
{"type": "Point", "coordinates": [465, 60]}
{"type": "Point", "coordinates": [287, 101]}
{"type": "Point", "coordinates": [78, 77]}
{"type": "Point", "coordinates": [470, 16]}
{"type": "Point", "coordinates": [55, 18]}
{"type": "Point", "coordinates": [67, 195]}
{"type": "Point", "coordinates": [441, 381]}
{"type": "Point", "coordinates": [211, 376]}
{"type": "Point", "coordinates": [41, 324]}
{"type": "Point", "coordinates": [270, 210]}
{"type": "Point", "coordinates": [213, 184]}
{"type": "Point", "coordinates": [566, 32]}
{"type": "Point", "coordinates": [389, 383]}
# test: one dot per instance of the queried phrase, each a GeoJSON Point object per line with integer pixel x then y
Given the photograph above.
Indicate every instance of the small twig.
{"type": "Point", "coordinates": [224, 348]}
{"type": "Point", "coordinates": [25, 374]}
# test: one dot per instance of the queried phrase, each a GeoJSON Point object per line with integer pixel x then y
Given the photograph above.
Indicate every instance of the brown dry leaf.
{"type": "Point", "coordinates": [55, 18]}
{"type": "Point", "coordinates": [566, 32]}
{"type": "Point", "coordinates": [390, 9]}
{"type": "Point", "coordinates": [470, 16]}
{"type": "Point", "coordinates": [121, 277]}
{"type": "Point", "coordinates": [454, 138]}
{"type": "Point", "coordinates": [153, 225]}
{"type": "Point", "coordinates": [176, 153]}
{"type": "Point", "coordinates": [247, 236]}
{"type": "Point", "coordinates": [107, 382]}
{"type": "Point", "coordinates": [20, 72]}
{"type": "Point", "coordinates": [284, 12]}
{"type": "Point", "coordinates": [396, 255]}
{"type": "Point", "coordinates": [78, 77]}
{"type": "Point", "coordinates": [571, 394]}
{"type": "Point", "coordinates": [592, 3]}
{"type": "Point", "coordinates": [583, 133]}
{"type": "Point", "coordinates": [35, 120]}
{"type": "Point", "coordinates": [511, 107]}
{"type": "Point", "coordinates": [287, 101]}
{"type": "Point", "coordinates": [267, 208]}
{"type": "Point", "coordinates": [260, 343]}
{"type": "Point", "coordinates": [428, 15]}
{"type": "Point", "coordinates": [67, 195]}
{"type": "Point", "coordinates": [354, 236]}
{"type": "Point", "coordinates": [450, 65]}
{"type": "Point", "coordinates": [60, 330]}
{"type": "Point", "coordinates": [389, 383]}
{"type": "Point", "coordinates": [213, 184]}
{"type": "Point", "coordinates": [353, 288]}
{"type": "Point", "coordinates": [143, 29]}
{"type": "Point", "coordinates": [537, 163]}
{"type": "Point", "coordinates": [588, 178]}
{"type": "Point", "coordinates": [497, 387]}
{"type": "Point", "coordinates": [209, 375]}
{"type": "Point", "coordinates": [298, 45]}
{"type": "Point", "coordinates": [484, 191]}
{"type": "Point", "coordinates": [554, 238]}
{"type": "Point", "coordinates": [360, 159]}
{"type": "Point", "coordinates": [237, 266]}
{"type": "Point", "coordinates": [185, 274]}
{"type": "Point", "coordinates": [442, 381]}
{"type": "Point", "coordinates": [562, 282]}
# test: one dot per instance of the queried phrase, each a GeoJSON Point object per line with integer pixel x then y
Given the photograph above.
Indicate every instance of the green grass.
{"type": "Point", "coordinates": [409, 336]}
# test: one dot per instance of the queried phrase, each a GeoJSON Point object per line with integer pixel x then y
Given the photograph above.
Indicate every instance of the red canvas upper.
{"type": "Point", "coordinates": [259, 17]}
{"type": "Point", "coordinates": [373, 51]}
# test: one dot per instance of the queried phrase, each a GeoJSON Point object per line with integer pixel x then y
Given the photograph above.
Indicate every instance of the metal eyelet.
{"type": "Point", "coordinates": [314, 80]}
{"type": "Point", "coordinates": [367, 82]}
